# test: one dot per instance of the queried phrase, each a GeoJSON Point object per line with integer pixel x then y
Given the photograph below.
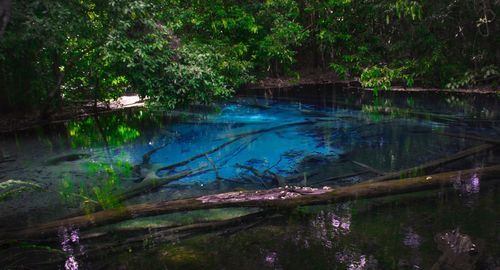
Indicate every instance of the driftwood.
{"type": "Point", "coordinates": [267, 199]}
{"type": "Point", "coordinates": [429, 166]}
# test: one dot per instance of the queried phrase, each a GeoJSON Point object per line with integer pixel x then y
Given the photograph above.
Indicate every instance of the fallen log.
{"type": "Point", "coordinates": [470, 137]}
{"type": "Point", "coordinates": [98, 245]}
{"type": "Point", "coordinates": [153, 182]}
{"type": "Point", "coordinates": [334, 178]}
{"type": "Point", "coordinates": [429, 166]}
{"type": "Point", "coordinates": [232, 139]}
{"type": "Point", "coordinates": [266, 199]}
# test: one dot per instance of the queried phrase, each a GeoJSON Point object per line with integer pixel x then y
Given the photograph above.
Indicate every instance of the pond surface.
{"type": "Point", "coordinates": [254, 143]}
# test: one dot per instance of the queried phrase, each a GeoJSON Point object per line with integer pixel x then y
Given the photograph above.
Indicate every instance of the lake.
{"type": "Point", "coordinates": [318, 138]}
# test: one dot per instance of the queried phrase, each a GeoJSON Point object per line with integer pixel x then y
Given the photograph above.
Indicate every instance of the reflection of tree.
{"type": "Point", "coordinates": [101, 188]}
{"type": "Point", "coordinates": [106, 131]}
{"type": "Point", "coordinates": [112, 130]}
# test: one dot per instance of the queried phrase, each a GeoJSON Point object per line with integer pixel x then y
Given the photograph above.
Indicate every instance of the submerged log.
{"type": "Point", "coordinates": [339, 177]}
{"type": "Point", "coordinates": [233, 138]}
{"type": "Point", "coordinates": [367, 167]}
{"type": "Point", "coordinates": [267, 199]}
{"type": "Point", "coordinates": [429, 166]}
{"type": "Point", "coordinates": [153, 182]}
{"type": "Point", "coordinates": [470, 137]}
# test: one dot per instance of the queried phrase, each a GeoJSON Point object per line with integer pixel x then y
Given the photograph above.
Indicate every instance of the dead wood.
{"type": "Point", "coordinates": [470, 137]}
{"type": "Point", "coordinates": [277, 198]}
{"type": "Point", "coordinates": [367, 167]}
{"type": "Point", "coordinates": [153, 181]}
{"type": "Point", "coordinates": [334, 178]}
{"type": "Point", "coordinates": [429, 166]}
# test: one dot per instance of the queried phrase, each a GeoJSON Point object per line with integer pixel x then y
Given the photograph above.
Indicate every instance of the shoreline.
{"type": "Point", "coordinates": [288, 84]}
{"type": "Point", "coordinates": [13, 122]}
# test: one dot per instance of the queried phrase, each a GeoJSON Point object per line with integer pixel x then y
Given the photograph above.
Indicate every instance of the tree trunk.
{"type": "Point", "coordinates": [277, 198]}
{"type": "Point", "coordinates": [5, 14]}
{"type": "Point", "coordinates": [54, 96]}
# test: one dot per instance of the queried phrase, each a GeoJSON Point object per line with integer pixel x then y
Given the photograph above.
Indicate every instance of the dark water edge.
{"type": "Point", "coordinates": [400, 232]}
{"type": "Point", "coordinates": [389, 132]}
{"type": "Point", "coordinates": [474, 105]}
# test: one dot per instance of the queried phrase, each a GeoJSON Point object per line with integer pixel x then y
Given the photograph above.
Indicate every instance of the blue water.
{"type": "Point", "coordinates": [316, 139]}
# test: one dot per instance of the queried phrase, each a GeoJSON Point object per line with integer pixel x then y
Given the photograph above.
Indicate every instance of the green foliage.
{"type": "Point", "coordinates": [183, 52]}
{"type": "Point", "coordinates": [471, 78]}
{"type": "Point", "coordinates": [102, 191]}
{"type": "Point", "coordinates": [408, 8]}
{"type": "Point", "coordinates": [113, 131]}
{"type": "Point", "coordinates": [380, 78]}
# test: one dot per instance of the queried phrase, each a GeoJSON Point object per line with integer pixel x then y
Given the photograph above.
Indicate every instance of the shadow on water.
{"type": "Point", "coordinates": [317, 139]}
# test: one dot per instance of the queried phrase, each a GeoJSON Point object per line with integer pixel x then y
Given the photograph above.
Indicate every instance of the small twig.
{"type": "Point", "coordinates": [251, 169]}
{"type": "Point", "coordinates": [280, 180]}
{"type": "Point", "coordinates": [275, 164]}
{"type": "Point", "coordinates": [217, 176]}
{"type": "Point", "coordinates": [147, 156]}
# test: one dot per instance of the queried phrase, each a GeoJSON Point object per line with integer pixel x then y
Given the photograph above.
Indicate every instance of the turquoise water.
{"type": "Point", "coordinates": [83, 165]}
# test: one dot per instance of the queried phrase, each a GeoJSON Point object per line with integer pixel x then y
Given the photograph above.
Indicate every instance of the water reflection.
{"type": "Point", "coordinates": [355, 261]}
{"type": "Point", "coordinates": [70, 244]}
{"type": "Point", "coordinates": [293, 151]}
{"type": "Point", "coordinates": [412, 239]}
{"type": "Point", "coordinates": [469, 188]}
{"type": "Point", "coordinates": [325, 229]}
{"type": "Point", "coordinates": [272, 259]}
